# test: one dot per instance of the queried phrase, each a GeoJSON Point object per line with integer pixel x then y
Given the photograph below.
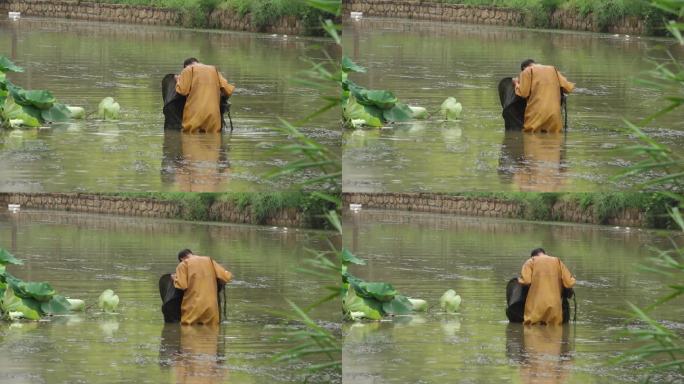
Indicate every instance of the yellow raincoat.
{"type": "Point", "coordinates": [197, 276]}
{"type": "Point", "coordinates": [546, 276]}
{"type": "Point", "coordinates": [203, 85]}
{"type": "Point", "coordinates": [541, 86]}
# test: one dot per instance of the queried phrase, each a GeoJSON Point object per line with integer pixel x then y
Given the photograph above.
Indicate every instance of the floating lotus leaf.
{"type": "Point", "coordinates": [451, 109]}
{"type": "Point", "coordinates": [400, 305]}
{"type": "Point", "coordinates": [108, 301]}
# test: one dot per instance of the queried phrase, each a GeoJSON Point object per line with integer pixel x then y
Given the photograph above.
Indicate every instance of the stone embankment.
{"type": "Point", "coordinates": [134, 14]}
{"type": "Point", "coordinates": [460, 13]}
{"type": "Point", "coordinates": [568, 211]}
{"type": "Point", "coordinates": [221, 211]}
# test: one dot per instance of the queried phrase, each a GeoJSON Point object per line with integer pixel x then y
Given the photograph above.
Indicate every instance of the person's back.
{"type": "Point", "coordinates": [197, 276]}
{"type": "Point", "coordinates": [546, 276]}
{"type": "Point", "coordinates": [203, 86]}
{"type": "Point", "coordinates": [541, 85]}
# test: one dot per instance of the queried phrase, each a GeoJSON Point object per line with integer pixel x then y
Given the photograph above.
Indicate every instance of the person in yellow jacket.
{"type": "Point", "coordinates": [547, 276]}
{"type": "Point", "coordinates": [541, 85]}
{"type": "Point", "coordinates": [196, 276]}
{"type": "Point", "coordinates": [203, 85]}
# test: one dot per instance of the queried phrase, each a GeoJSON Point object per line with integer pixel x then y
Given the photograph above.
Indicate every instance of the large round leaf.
{"type": "Point", "coordinates": [8, 258]}
{"type": "Point", "coordinates": [400, 305]}
{"type": "Point", "coordinates": [353, 305]}
{"type": "Point", "coordinates": [400, 112]}
{"type": "Point", "coordinates": [58, 112]}
{"type": "Point", "coordinates": [379, 291]}
{"type": "Point", "coordinates": [57, 305]}
{"type": "Point", "coordinates": [6, 65]}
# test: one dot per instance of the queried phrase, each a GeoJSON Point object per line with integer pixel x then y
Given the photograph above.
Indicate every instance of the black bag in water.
{"type": "Point", "coordinates": [172, 298]}
{"type": "Point", "coordinates": [516, 296]}
{"type": "Point", "coordinates": [174, 104]}
{"type": "Point", "coordinates": [513, 105]}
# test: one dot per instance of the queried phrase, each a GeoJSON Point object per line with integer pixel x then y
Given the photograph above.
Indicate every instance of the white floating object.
{"type": "Point", "coordinates": [355, 207]}
{"type": "Point", "coordinates": [356, 15]}
{"type": "Point", "coordinates": [14, 15]}
{"type": "Point", "coordinates": [14, 208]}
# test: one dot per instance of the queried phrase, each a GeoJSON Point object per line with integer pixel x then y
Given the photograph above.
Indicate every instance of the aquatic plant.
{"type": "Point", "coordinates": [370, 107]}
{"type": "Point", "coordinates": [28, 300]}
{"type": "Point", "coordinates": [450, 301]}
{"type": "Point", "coordinates": [451, 109]}
{"type": "Point", "coordinates": [29, 108]}
{"type": "Point", "coordinates": [108, 109]}
{"type": "Point", "coordinates": [108, 301]}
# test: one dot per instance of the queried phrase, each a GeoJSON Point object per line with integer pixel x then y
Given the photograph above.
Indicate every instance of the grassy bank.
{"type": "Point", "coordinates": [262, 205]}
{"type": "Point", "coordinates": [263, 12]}
{"type": "Point", "coordinates": [538, 206]}
{"type": "Point", "coordinates": [604, 12]}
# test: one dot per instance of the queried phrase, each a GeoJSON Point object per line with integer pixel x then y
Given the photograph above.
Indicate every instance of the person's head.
{"type": "Point", "coordinates": [184, 254]}
{"type": "Point", "coordinates": [526, 64]}
{"type": "Point", "coordinates": [190, 61]}
{"type": "Point", "coordinates": [537, 252]}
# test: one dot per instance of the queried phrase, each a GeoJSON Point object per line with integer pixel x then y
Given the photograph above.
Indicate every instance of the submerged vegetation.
{"type": "Point", "coordinates": [262, 12]}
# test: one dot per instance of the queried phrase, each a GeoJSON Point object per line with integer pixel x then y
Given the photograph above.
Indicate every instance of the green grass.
{"type": "Point", "coordinates": [261, 205]}
{"type": "Point", "coordinates": [604, 12]}
{"type": "Point", "coordinates": [538, 206]}
{"type": "Point", "coordinates": [263, 12]}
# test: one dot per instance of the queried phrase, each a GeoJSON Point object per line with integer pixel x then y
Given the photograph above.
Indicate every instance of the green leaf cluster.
{"type": "Point", "coordinates": [26, 299]}
{"type": "Point", "coordinates": [370, 107]}
{"type": "Point", "coordinates": [369, 300]}
{"type": "Point", "coordinates": [29, 108]}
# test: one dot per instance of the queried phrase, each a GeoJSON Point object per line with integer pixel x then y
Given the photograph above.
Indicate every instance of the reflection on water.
{"type": "Point", "coordinates": [544, 353]}
{"type": "Point", "coordinates": [423, 255]}
{"type": "Point", "coordinates": [195, 353]}
{"type": "Point", "coordinates": [195, 162]}
{"type": "Point", "coordinates": [83, 62]}
{"type": "Point", "coordinates": [81, 255]}
{"type": "Point", "coordinates": [533, 162]}
{"type": "Point", "coordinates": [423, 63]}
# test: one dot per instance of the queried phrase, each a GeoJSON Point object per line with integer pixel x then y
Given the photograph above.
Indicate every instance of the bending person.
{"type": "Point", "coordinates": [547, 276]}
{"type": "Point", "coordinates": [197, 276]}
{"type": "Point", "coordinates": [541, 85]}
{"type": "Point", "coordinates": [203, 85]}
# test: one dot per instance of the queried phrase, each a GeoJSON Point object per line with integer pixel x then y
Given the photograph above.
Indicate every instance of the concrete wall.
{"type": "Point", "coordinates": [458, 13]}
{"type": "Point", "coordinates": [228, 212]}
{"type": "Point", "coordinates": [123, 13]}
{"type": "Point", "coordinates": [487, 207]}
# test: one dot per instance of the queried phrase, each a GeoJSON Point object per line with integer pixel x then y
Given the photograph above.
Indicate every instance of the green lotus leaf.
{"type": "Point", "coordinates": [8, 258]}
{"type": "Point", "coordinates": [451, 109]}
{"type": "Point", "coordinates": [400, 305]}
{"type": "Point", "coordinates": [57, 305]}
{"type": "Point", "coordinates": [6, 65]}
{"type": "Point", "coordinates": [400, 112]}
{"type": "Point", "coordinates": [361, 307]}
{"type": "Point", "coordinates": [57, 113]}
{"type": "Point", "coordinates": [348, 257]}
{"type": "Point", "coordinates": [349, 66]}
{"type": "Point", "coordinates": [108, 301]}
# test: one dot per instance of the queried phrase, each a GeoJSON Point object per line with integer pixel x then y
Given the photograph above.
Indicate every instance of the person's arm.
{"type": "Point", "coordinates": [221, 273]}
{"type": "Point", "coordinates": [180, 280]}
{"type": "Point", "coordinates": [526, 273]}
{"type": "Point", "coordinates": [567, 277]}
{"type": "Point", "coordinates": [184, 82]}
{"type": "Point", "coordinates": [226, 89]}
{"type": "Point", "coordinates": [523, 86]}
{"type": "Point", "coordinates": [564, 83]}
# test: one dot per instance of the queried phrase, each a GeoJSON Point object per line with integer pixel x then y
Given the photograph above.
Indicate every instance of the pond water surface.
{"type": "Point", "coordinates": [83, 62]}
{"type": "Point", "coordinates": [423, 255]}
{"type": "Point", "coordinates": [423, 63]}
{"type": "Point", "coordinates": [81, 255]}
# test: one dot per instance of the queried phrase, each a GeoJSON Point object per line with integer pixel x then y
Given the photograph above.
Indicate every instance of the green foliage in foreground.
{"type": "Point", "coordinates": [24, 108]}
{"type": "Point", "coordinates": [261, 205]}
{"type": "Point", "coordinates": [263, 12]}
{"type": "Point", "coordinates": [26, 300]}
{"type": "Point", "coordinates": [657, 344]}
{"type": "Point", "coordinates": [603, 205]}
{"type": "Point", "coordinates": [604, 12]}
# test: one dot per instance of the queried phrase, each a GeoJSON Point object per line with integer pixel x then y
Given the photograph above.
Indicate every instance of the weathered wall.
{"type": "Point", "coordinates": [459, 13]}
{"type": "Point", "coordinates": [228, 212]}
{"type": "Point", "coordinates": [132, 14]}
{"type": "Point", "coordinates": [487, 207]}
